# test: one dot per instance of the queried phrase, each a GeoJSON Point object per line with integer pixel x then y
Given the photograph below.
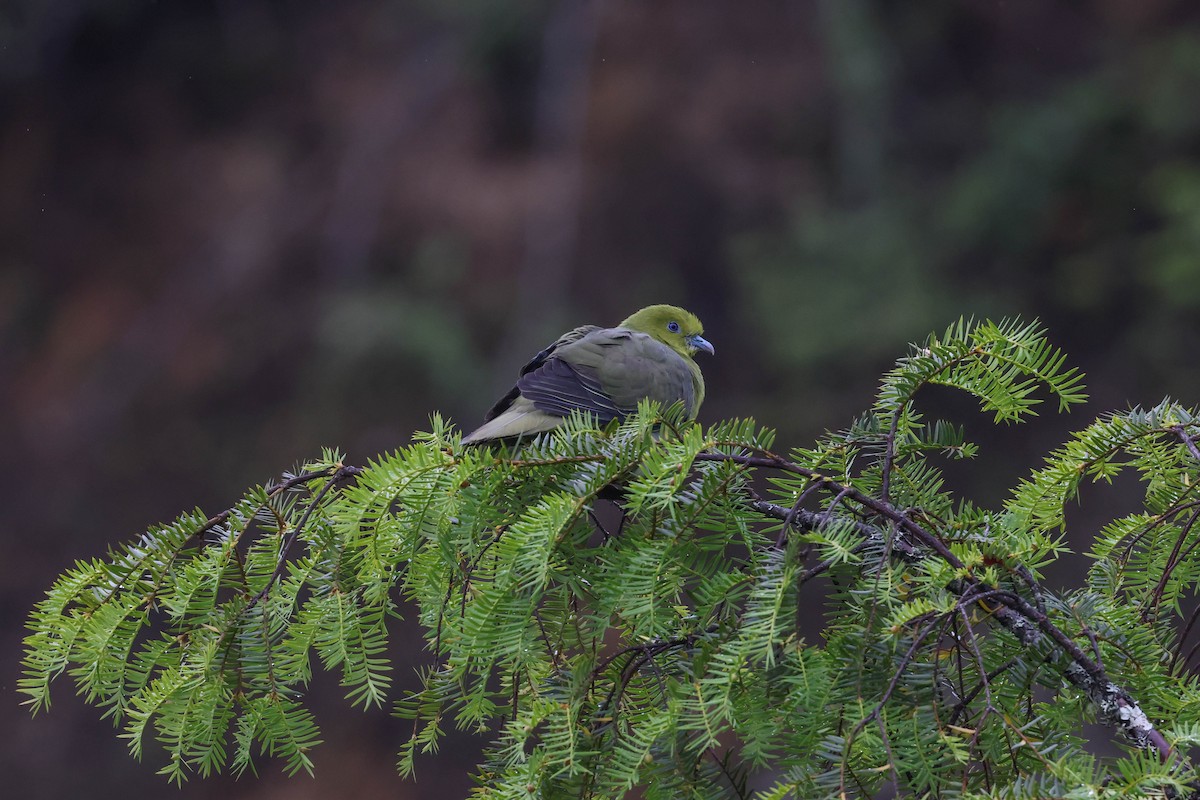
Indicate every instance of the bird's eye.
{"type": "Point", "coordinates": [673, 327]}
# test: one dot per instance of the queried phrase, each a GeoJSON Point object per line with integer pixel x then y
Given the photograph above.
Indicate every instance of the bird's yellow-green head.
{"type": "Point", "coordinates": [676, 328]}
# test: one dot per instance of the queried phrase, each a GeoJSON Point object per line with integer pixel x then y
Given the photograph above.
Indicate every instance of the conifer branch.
{"type": "Point", "coordinates": [1189, 441]}
{"type": "Point", "coordinates": [1116, 705]}
{"type": "Point", "coordinates": [600, 658]}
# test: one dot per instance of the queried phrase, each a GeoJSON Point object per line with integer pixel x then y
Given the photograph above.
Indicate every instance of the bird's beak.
{"type": "Point", "coordinates": [698, 342]}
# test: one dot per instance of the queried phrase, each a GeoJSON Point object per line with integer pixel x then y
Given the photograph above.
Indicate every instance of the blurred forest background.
{"type": "Point", "coordinates": [232, 232]}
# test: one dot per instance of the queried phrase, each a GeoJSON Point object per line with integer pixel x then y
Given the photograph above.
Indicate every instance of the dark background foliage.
{"type": "Point", "coordinates": [233, 232]}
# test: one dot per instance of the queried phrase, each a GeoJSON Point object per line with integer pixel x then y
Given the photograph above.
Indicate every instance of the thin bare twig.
{"type": "Point", "coordinates": [343, 473]}
{"type": "Point", "coordinates": [1173, 560]}
{"type": "Point", "coordinates": [927, 621]}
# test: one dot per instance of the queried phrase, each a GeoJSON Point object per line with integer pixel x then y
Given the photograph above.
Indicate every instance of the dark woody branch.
{"type": "Point", "coordinates": [1012, 611]}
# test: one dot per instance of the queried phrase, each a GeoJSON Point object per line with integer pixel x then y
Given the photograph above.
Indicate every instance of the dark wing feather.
{"type": "Point", "coordinates": [559, 388]}
{"type": "Point", "coordinates": [534, 363]}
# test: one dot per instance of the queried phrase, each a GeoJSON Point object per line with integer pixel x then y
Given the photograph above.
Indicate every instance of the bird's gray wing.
{"type": "Point", "coordinates": [535, 364]}
{"type": "Point", "coordinates": [606, 372]}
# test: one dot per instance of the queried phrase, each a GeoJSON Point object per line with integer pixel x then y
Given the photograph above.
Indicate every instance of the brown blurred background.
{"type": "Point", "coordinates": [232, 232]}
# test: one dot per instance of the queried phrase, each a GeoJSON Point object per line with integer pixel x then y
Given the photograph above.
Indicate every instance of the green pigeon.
{"type": "Point", "coordinates": [605, 372]}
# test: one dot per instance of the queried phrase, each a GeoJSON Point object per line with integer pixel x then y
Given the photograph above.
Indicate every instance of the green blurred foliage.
{"type": "Point", "coordinates": [1079, 202]}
